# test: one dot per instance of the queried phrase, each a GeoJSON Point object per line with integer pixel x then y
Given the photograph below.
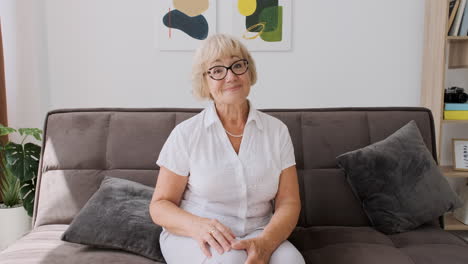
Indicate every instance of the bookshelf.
{"type": "Point", "coordinates": [440, 53]}
{"type": "Point", "coordinates": [457, 38]}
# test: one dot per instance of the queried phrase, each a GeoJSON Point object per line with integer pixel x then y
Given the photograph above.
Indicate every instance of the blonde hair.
{"type": "Point", "coordinates": [215, 47]}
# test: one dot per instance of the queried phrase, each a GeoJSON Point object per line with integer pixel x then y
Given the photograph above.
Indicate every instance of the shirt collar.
{"type": "Point", "coordinates": [212, 117]}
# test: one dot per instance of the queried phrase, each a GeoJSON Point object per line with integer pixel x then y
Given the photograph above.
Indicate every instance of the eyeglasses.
{"type": "Point", "coordinates": [238, 67]}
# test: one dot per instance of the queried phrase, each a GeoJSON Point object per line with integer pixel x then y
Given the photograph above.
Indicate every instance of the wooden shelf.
{"type": "Point", "coordinates": [458, 54]}
{"type": "Point", "coordinates": [453, 224]}
{"type": "Point", "coordinates": [449, 172]}
{"type": "Point", "coordinates": [455, 121]}
{"type": "Point", "coordinates": [457, 38]}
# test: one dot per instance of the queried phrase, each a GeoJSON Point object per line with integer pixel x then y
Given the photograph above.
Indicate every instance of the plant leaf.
{"type": "Point", "coordinates": [6, 130]}
{"type": "Point", "coordinates": [31, 161]}
{"type": "Point", "coordinates": [23, 161]}
{"type": "Point", "coordinates": [11, 186]}
{"type": "Point", "coordinates": [15, 159]}
{"type": "Point", "coordinates": [27, 194]}
{"type": "Point", "coordinates": [38, 136]}
{"type": "Point", "coordinates": [19, 163]}
{"type": "Point", "coordinates": [35, 132]}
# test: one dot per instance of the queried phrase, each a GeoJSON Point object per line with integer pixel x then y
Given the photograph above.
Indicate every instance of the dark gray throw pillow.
{"type": "Point", "coordinates": [398, 182]}
{"type": "Point", "coordinates": [117, 217]}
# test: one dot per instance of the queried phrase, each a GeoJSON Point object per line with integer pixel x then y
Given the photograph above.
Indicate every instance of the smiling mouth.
{"type": "Point", "coordinates": [233, 88]}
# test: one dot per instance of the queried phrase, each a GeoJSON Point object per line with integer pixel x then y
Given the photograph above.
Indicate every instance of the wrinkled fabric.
{"type": "Point", "coordinates": [117, 217]}
{"type": "Point", "coordinates": [398, 182]}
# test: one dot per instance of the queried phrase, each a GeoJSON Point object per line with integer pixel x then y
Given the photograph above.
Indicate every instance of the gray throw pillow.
{"type": "Point", "coordinates": [398, 182]}
{"type": "Point", "coordinates": [117, 217]}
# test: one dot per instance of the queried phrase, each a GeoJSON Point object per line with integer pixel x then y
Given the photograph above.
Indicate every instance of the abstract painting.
{"type": "Point", "coordinates": [182, 24]}
{"type": "Point", "coordinates": [263, 24]}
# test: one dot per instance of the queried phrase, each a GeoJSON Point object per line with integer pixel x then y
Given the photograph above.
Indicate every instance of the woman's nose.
{"type": "Point", "coordinates": [230, 75]}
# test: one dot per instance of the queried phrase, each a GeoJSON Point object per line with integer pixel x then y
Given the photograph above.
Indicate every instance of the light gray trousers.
{"type": "Point", "coordinates": [180, 250]}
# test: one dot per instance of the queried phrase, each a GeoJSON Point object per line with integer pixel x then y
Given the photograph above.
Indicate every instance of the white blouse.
{"type": "Point", "coordinates": [236, 189]}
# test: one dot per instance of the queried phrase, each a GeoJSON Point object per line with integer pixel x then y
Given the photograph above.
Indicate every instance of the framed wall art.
{"type": "Point", "coordinates": [182, 24]}
{"type": "Point", "coordinates": [263, 25]}
{"type": "Point", "coordinates": [460, 154]}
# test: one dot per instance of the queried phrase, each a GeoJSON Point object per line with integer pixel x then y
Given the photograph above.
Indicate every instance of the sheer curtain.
{"type": "Point", "coordinates": [3, 105]}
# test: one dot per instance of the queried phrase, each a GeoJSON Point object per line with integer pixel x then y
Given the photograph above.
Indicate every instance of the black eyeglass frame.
{"type": "Point", "coordinates": [228, 68]}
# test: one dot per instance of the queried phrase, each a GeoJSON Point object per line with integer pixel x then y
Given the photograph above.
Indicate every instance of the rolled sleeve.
{"type": "Point", "coordinates": [287, 150]}
{"type": "Point", "coordinates": [174, 154]}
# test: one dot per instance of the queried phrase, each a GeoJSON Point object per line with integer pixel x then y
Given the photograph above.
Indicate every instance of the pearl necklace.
{"type": "Point", "coordinates": [232, 135]}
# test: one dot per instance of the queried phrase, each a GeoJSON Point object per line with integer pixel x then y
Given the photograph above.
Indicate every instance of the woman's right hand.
{"type": "Point", "coordinates": [216, 235]}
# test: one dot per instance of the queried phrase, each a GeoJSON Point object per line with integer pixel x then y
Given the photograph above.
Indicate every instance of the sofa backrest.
{"type": "Point", "coordinates": [81, 146]}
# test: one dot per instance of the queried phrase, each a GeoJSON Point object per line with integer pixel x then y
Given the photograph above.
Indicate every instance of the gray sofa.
{"type": "Point", "coordinates": [82, 146]}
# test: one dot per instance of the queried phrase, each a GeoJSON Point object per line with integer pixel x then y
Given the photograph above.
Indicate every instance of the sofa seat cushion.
{"type": "Point", "coordinates": [43, 245]}
{"type": "Point", "coordinates": [365, 245]}
{"type": "Point", "coordinates": [426, 234]}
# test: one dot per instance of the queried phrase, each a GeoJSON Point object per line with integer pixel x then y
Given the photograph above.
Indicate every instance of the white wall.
{"type": "Point", "coordinates": [33, 87]}
{"type": "Point", "coordinates": [345, 53]}
{"type": "Point", "coordinates": [25, 55]}
{"type": "Point", "coordinates": [97, 53]}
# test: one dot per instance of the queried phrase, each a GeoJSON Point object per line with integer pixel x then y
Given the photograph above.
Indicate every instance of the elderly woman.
{"type": "Point", "coordinates": [223, 171]}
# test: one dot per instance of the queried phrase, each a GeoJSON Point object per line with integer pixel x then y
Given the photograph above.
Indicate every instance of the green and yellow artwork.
{"type": "Point", "coordinates": [263, 24]}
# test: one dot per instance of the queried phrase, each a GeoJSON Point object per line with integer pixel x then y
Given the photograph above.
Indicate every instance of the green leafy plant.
{"type": "Point", "coordinates": [19, 164]}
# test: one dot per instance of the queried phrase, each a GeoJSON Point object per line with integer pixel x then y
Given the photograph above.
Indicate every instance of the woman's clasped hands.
{"type": "Point", "coordinates": [258, 250]}
{"type": "Point", "coordinates": [212, 233]}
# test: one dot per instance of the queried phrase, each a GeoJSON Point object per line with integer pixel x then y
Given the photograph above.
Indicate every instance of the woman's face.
{"type": "Point", "coordinates": [234, 88]}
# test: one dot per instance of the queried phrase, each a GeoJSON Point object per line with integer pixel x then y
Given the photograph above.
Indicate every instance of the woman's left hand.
{"type": "Point", "coordinates": [258, 250]}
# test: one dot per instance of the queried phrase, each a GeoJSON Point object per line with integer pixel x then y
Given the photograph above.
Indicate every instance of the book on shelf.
{"type": "Point", "coordinates": [455, 29]}
{"type": "Point", "coordinates": [464, 24]}
{"type": "Point", "coordinates": [455, 115]}
{"type": "Point", "coordinates": [452, 4]}
{"type": "Point", "coordinates": [456, 107]}
{"type": "Point", "coordinates": [453, 8]}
